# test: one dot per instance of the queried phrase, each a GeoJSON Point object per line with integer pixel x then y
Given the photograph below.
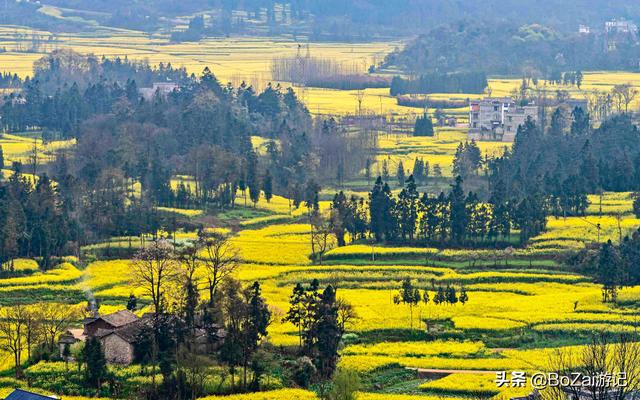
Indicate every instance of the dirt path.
{"type": "Point", "coordinates": [444, 372]}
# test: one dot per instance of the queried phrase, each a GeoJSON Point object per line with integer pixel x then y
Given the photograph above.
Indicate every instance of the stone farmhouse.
{"type": "Point", "coordinates": [119, 331]}
{"type": "Point", "coordinates": [498, 118]}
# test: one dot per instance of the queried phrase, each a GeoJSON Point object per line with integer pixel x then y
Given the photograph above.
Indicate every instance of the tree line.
{"type": "Point", "coordinates": [434, 82]}
{"type": "Point", "coordinates": [614, 266]}
{"type": "Point", "coordinates": [513, 48]}
{"type": "Point", "coordinates": [447, 219]}
{"type": "Point", "coordinates": [566, 160]}
{"type": "Point", "coordinates": [10, 81]}
{"type": "Point", "coordinates": [410, 295]}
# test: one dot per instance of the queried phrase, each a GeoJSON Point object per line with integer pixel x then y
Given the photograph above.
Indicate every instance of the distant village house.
{"type": "Point", "coordinates": [163, 89]}
{"type": "Point", "coordinates": [498, 118]}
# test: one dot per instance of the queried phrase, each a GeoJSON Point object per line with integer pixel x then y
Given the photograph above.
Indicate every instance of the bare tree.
{"type": "Point", "coordinates": [624, 94]}
{"type": "Point", "coordinates": [603, 356]}
{"type": "Point", "coordinates": [33, 327]}
{"type": "Point", "coordinates": [53, 319]}
{"type": "Point", "coordinates": [346, 314]}
{"type": "Point", "coordinates": [12, 334]}
{"type": "Point", "coordinates": [153, 269]}
{"type": "Point", "coordinates": [320, 235]}
{"type": "Point", "coordinates": [220, 259]}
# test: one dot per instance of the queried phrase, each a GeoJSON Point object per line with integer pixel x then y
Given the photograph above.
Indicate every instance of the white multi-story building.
{"type": "Point", "coordinates": [619, 31]}
{"type": "Point", "coordinates": [498, 118]}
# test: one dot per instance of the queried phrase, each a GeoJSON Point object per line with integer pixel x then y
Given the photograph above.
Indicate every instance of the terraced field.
{"type": "Point", "coordinates": [520, 308]}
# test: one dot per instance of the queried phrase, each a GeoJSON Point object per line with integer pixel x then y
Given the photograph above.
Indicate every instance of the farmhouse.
{"type": "Point", "coordinates": [109, 322]}
{"type": "Point", "coordinates": [116, 331]}
{"type": "Point", "coordinates": [118, 344]}
{"type": "Point", "coordinates": [119, 331]}
{"type": "Point", "coordinates": [498, 118]}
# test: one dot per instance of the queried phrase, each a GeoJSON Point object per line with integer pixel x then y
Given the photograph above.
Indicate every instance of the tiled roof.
{"type": "Point", "coordinates": [128, 333]}
{"type": "Point", "coordinates": [120, 318]}
{"type": "Point", "coordinates": [20, 394]}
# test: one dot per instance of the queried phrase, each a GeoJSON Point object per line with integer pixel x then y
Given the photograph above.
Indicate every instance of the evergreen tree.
{"type": "Point", "coordinates": [463, 295]}
{"type": "Point", "coordinates": [581, 124]}
{"type": "Point", "coordinates": [451, 295]}
{"type": "Point", "coordinates": [267, 186]}
{"type": "Point", "coordinates": [132, 303]}
{"type": "Point", "coordinates": [328, 332]}
{"type": "Point", "coordinates": [609, 271]}
{"type": "Point", "coordinates": [259, 318]}
{"type": "Point", "coordinates": [95, 371]}
{"type": "Point", "coordinates": [400, 174]}
{"type": "Point", "coordinates": [296, 313]}
{"type": "Point", "coordinates": [636, 205]}
{"type": "Point", "coordinates": [579, 76]}
{"type": "Point", "coordinates": [407, 209]}
{"type": "Point", "coordinates": [253, 183]}
{"type": "Point", "coordinates": [440, 296]}
{"type": "Point", "coordinates": [410, 296]}
{"type": "Point", "coordinates": [423, 126]}
{"type": "Point", "coordinates": [418, 170]}
{"type": "Point", "coordinates": [557, 123]}
{"type": "Point", "coordinates": [458, 212]}
{"type": "Point", "coordinates": [385, 171]}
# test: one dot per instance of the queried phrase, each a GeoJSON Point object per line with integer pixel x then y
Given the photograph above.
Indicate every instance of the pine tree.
{"type": "Point", "coordinates": [95, 363]}
{"type": "Point", "coordinates": [463, 295]}
{"type": "Point", "coordinates": [410, 296]}
{"type": "Point", "coordinates": [418, 170]}
{"type": "Point", "coordinates": [579, 77]}
{"type": "Point", "coordinates": [132, 303]}
{"type": "Point", "coordinates": [423, 126]}
{"type": "Point", "coordinates": [253, 183]}
{"type": "Point", "coordinates": [451, 295]}
{"type": "Point", "coordinates": [440, 296]}
{"type": "Point", "coordinates": [400, 174]}
{"type": "Point", "coordinates": [267, 186]}
{"type": "Point", "coordinates": [609, 271]}
{"type": "Point", "coordinates": [385, 171]}
{"type": "Point", "coordinates": [259, 318]}
{"type": "Point", "coordinates": [557, 123]}
{"type": "Point", "coordinates": [581, 123]}
{"type": "Point", "coordinates": [458, 212]}
{"type": "Point", "coordinates": [296, 313]}
{"type": "Point", "coordinates": [328, 332]}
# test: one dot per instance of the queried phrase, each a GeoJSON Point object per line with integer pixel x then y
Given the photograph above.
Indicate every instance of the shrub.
{"type": "Point", "coordinates": [303, 371]}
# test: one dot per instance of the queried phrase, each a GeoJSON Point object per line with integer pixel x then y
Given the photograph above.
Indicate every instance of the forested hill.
{"type": "Point", "coordinates": [132, 150]}
{"type": "Point", "coordinates": [323, 19]}
{"type": "Point", "coordinates": [515, 49]}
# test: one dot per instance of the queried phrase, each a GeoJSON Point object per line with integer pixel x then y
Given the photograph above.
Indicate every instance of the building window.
{"type": "Point", "coordinates": [475, 115]}
{"type": "Point", "coordinates": [475, 124]}
{"type": "Point", "coordinates": [495, 108]}
{"type": "Point", "coordinates": [509, 128]}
